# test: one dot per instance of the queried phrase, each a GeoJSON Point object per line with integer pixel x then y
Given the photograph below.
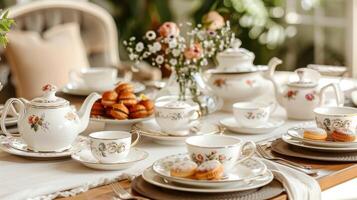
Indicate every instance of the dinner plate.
{"type": "Point", "coordinates": [247, 170]}
{"type": "Point", "coordinates": [84, 91]}
{"type": "Point", "coordinates": [119, 122]}
{"type": "Point", "coordinates": [231, 124]}
{"type": "Point", "coordinates": [85, 157]}
{"type": "Point", "coordinates": [297, 142]}
{"type": "Point", "coordinates": [151, 129]}
{"type": "Point", "coordinates": [150, 176]}
{"type": "Point", "coordinates": [298, 133]}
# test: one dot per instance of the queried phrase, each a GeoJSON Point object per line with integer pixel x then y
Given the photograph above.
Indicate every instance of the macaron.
{"type": "Point", "coordinates": [315, 133]}
{"type": "Point", "coordinates": [97, 108]}
{"type": "Point", "coordinates": [124, 87]}
{"type": "Point", "coordinates": [149, 106]}
{"type": "Point", "coordinates": [109, 98]}
{"type": "Point", "coordinates": [127, 98]}
{"type": "Point", "coordinates": [119, 111]}
{"type": "Point", "coordinates": [343, 135]}
{"type": "Point", "coordinates": [137, 111]}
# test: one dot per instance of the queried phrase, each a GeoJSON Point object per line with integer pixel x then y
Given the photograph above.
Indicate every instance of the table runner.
{"type": "Point", "coordinates": [22, 178]}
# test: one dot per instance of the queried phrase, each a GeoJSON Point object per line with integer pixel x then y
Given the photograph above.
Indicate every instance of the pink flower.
{"type": "Point", "coordinates": [213, 20]}
{"type": "Point", "coordinates": [169, 29]}
{"type": "Point", "coordinates": [310, 97]}
{"type": "Point", "coordinates": [193, 52]}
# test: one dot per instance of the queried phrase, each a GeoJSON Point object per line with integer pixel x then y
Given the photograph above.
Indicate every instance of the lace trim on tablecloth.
{"type": "Point", "coordinates": [83, 188]}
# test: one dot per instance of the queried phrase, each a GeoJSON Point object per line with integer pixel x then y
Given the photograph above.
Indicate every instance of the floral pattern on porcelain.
{"type": "Point", "coordinates": [109, 148]}
{"type": "Point", "coordinates": [220, 82]}
{"type": "Point", "coordinates": [310, 96]}
{"type": "Point", "coordinates": [256, 115]}
{"type": "Point", "coordinates": [333, 124]}
{"type": "Point", "coordinates": [213, 155]}
{"type": "Point", "coordinates": [38, 122]}
{"type": "Point", "coordinates": [171, 116]}
{"type": "Point", "coordinates": [250, 82]}
{"type": "Point", "coordinates": [71, 116]}
{"type": "Point", "coordinates": [291, 94]}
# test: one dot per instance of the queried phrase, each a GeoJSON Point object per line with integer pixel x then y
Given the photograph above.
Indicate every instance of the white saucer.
{"type": "Point", "coordinates": [297, 142]}
{"type": "Point", "coordinates": [151, 129]}
{"type": "Point", "coordinates": [245, 171]}
{"type": "Point", "coordinates": [85, 157]}
{"type": "Point", "coordinates": [151, 177]}
{"type": "Point", "coordinates": [84, 91]}
{"type": "Point", "coordinates": [231, 124]}
{"type": "Point", "coordinates": [298, 133]}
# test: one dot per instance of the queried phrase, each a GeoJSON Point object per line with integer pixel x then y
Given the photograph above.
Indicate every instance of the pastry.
{"type": "Point", "coordinates": [210, 170]}
{"type": "Point", "coordinates": [127, 98]}
{"type": "Point", "coordinates": [119, 111]}
{"type": "Point", "coordinates": [137, 111]}
{"type": "Point", "coordinates": [343, 135]}
{"type": "Point", "coordinates": [149, 106]}
{"type": "Point", "coordinates": [183, 169]}
{"type": "Point", "coordinates": [97, 109]}
{"type": "Point", "coordinates": [109, 98]}
{"type": "Point", "coordinates": [124, 87]}
{"type": "Point", "coordinates": [315, 134]}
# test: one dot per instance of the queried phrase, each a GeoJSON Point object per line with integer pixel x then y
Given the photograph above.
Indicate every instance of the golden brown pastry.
{"type": "Point", "coordinates": [343, 135]}
{"type": "Point", "coordinates": [97, 109]}
{"type": "Point", "coordinates": [109, 98]}
{"type": "Point", "coordinates": [124, 87]}
{"type": "Point", "coordinates": [119, 111]}
{"type": "Point", "coordinates": [209, 170]}
{"type": "Point", "coordinates": [315, 133]}
{"type": "Point", "coordinates": [127, 98]}
{"type": "Point", "coordinates": [183, 169]}
{"type": "Point", "coordinates": [137, 111]}
{"type": "Point", "coordinates": [149, 106]}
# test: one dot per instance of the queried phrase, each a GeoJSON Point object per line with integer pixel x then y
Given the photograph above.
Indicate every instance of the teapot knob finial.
{"type": "Point", "coordinates": [49, 92]}
{"type": "Point", "coordinates": [300, 73]}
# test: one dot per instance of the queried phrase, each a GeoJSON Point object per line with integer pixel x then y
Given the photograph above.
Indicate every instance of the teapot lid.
{"type": "Point", "coordinates": [307, 78]}
{"type": "Point", "coordinates": [49, 98]}
{"type": "Point", "coordinates": [235, 50]}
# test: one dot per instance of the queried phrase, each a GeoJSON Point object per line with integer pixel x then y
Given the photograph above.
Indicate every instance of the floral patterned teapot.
{"type": "Point", "coordinates": [301, 97]}
{"type": "Point", "coordinates": [49, 123]}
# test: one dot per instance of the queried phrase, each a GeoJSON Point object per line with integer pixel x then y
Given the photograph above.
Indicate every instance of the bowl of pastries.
{"type": "Point", "coordinates": [121, 105]}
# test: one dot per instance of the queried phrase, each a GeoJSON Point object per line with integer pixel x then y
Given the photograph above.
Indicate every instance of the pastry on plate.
{"type": "Point", "coordinates": [109, 98]}
{"type": "Point", "coordinates": [127, 98]}
{"type": "Point", "coordinates": [137, 111]}
{"type": "Point", "coordinates": [124, 87]}
{"type": "Point", "coordinates": [149, 106]}
{"type": "Point", "coordinates": [97, 109]}
{"type": "Point", "coordinates": [315, 134]}
{"type": "Point", "coordinates": [119, 111]}
{"type": "Point", "coordinates": [343, 135]}
{"type": "Point", "coordinates": [209, 170]}
{"type": "Point", "coordinates": [183, 169]}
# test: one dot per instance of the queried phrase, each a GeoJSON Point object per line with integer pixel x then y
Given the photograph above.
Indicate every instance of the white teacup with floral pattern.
{"type": "Point", "coordinates": [226, 149]}
{"type": "Point", "coordinates": [251, 114]}
{"type": "Point", "coordinates": [111, 146]}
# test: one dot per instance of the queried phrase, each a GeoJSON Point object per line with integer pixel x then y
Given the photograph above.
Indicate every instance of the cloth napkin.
{"type": "Point", "coordinates": [298, 185]}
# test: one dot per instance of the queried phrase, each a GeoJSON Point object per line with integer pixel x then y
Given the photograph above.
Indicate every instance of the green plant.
{"type": "Point", "coordinates": [5, 25]}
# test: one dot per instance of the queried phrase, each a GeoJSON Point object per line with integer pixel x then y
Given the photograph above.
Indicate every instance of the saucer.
{"type": "Point", "coordinates": [151, 129]}
{"type": "Point", "coordinates": [86, 158]}
{"type": "Point", "coordinates": [231, 124]}
{"type": "Point", "coordinates": [247, 170]}
{"type": "Point", "coordinates": [119, 122]}
{"type": "Point", "coordinates": [298, 133]}
{"type": "Point", "coordinates": [150, 176]}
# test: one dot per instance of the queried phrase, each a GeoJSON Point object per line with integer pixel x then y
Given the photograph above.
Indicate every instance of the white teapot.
{"type": "Point", "coordinates": [49, 123]}
{"type": "Point", "coordinates": [301, 97]}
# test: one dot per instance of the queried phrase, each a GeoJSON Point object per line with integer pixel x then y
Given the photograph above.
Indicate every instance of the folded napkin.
{"type": "Point", "coordinates": [298, 185]}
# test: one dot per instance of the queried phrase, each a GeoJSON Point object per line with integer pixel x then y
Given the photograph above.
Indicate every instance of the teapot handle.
{"type": "Point", "coordinates": [9, 105]}
{"type": "Point", "coordinates": [338, 94]}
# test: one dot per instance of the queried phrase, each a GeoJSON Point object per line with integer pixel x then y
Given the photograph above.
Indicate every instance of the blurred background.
{"type": "Point", "coordinates": [299, 32]}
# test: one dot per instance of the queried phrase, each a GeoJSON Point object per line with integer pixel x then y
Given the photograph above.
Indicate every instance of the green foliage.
{"type": "Point", "coordinates": [5, 25]}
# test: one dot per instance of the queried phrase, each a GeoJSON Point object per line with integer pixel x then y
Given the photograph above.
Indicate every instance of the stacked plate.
{"type": "Point", "coordinates": [247, 175]}
{"type": "Point", "coordinates": [10, 121]}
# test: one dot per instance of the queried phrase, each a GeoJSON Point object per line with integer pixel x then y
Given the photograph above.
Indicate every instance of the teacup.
{"type": "Point", "coordinates": [111, 146]}
{"type": "Point", "coordinates": [96, 78]}
{"type": "Point", "coordinates": [226, 149]}
{"type": "Point", "coordinates": [250, 114]}
{"type": "Point", "coordinates": [332, 118]}
{"type": "Point", "coordinates": [175, 117]}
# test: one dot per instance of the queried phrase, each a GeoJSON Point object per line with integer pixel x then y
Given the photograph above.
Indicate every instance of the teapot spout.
{"type": "Point", "coordinates": [272, 64]}
{"type": "Point", "coordinates": [84, 111]}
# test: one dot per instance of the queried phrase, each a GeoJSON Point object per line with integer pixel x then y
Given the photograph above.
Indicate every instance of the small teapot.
{"type": "Point", "coordinates": [49, 123]}
{"type": "Point", "coordinates": [301, 97]}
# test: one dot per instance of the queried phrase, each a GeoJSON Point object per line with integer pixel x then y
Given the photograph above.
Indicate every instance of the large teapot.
{"type": "Point", "coordinates": [49, 123]}
{"type": "Point", "coordinates": [300, 97]}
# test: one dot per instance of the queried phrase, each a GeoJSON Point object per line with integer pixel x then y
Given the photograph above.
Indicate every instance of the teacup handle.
{"type": "Point", "coordinates": [194, 111]}
{"type": "Point", "coordinates": [136, 132]}
{"type": "Point", "coordinates": [9, 105]}
{"type": "Point", "coordinates": [250, 154]}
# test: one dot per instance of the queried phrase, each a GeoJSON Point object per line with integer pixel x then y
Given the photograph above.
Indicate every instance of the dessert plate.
{"type": "Point", "coordinates": [297, 142]}
{"type": "Point", "coordinates": [74, 89]}
{"type": "Point", "coordinates": [298, 133]}
{"type": "Point", "coordinates": [245, 171]}
{"type": "Point", "coordinates": [231, 124]}
{"type": "Point", "coordinates": [150, 176]}
{"type": "Point", "coordinates": [119, 122]}
{"type": "Point", "coordinates": [85, 157]}
{"type": "Point", "coordinates": [152, 130]}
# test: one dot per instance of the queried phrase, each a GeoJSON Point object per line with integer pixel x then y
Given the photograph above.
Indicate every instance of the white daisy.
{"type": "Point", "coordinates": [132, 39]}
{"type": "Point", "coordinates": [157, 46]}
{"type": "Point", "coordinates": [146, 54]}
{"type": "Point", "coordinates": [139, 47]}
{"type": "Point", "coordinates": [176, 52]}
{"type": "Point", "coordinates": [150, 35]}
{"type": "Point", "coordinates": [204, 62]}
{"type": "Point", "coordinates": [159, 59]}
{"type": "Point", "coordinates": [172, 44]}
{"type": "Point", "coordinates": [133, 56]}
{"type": "Point", "coordinates": [173, 62]}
